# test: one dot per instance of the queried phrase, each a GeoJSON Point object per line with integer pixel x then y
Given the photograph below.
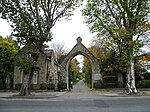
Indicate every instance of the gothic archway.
{"type": "Point", "coordinates": [79, 48]}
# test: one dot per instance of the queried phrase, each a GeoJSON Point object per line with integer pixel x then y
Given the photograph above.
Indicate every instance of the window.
{"type": "Point", "coordinates": [35, 77]}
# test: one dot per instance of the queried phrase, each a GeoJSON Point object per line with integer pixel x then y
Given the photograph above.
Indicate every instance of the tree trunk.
{"type": "Point", "coordinates": [131, 77]}
{"type": "Point", "coordinates": [26, 86]}
{"type": "Point", "coordinates": [27, 82]}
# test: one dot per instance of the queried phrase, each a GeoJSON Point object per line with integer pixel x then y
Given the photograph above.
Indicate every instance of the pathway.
{"type": "Point", "coordinates": [80, 87]}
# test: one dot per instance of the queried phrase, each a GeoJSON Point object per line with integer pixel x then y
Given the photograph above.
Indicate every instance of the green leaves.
{"type": "Point", "coordinates": [119, 23]}
{"type": "Point", "coordinates": [32, 20]}
{"type": "Point", "coordinates": [26, 59]}
{"type": "Point", "coordinates": [7, 52]}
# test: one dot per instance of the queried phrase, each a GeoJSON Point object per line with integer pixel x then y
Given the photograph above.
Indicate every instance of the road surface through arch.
{"type": "Point", "coordinates": [79, 92]}
{"type": "Point", "coordinates": [80, 87]}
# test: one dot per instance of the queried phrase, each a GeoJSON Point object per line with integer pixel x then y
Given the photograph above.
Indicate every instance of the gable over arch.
{"type": "Point", "coordinates": [79, 48]}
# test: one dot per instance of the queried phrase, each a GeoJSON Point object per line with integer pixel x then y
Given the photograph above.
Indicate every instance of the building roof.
{"type": "Point", "coordinates": [48, 52]}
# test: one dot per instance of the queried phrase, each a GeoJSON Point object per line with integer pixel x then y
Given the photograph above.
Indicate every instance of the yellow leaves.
{"type": "Point", "coordinates": [148, 57]}
{"type": "Point", "coordinates": [145, 57]}
{"type": "Point", "coordinates": [86, 63]}
{"type": "Point", "coordinates": [115, 68]}
{"type": "Point", "coordinates": [74, 66]}
{"type": "Point", "coordinates": [109, 68]}
{"type": "Point", "coordinates": [5, 42]}
{"type": "Point", "coordinates": [95, 51]}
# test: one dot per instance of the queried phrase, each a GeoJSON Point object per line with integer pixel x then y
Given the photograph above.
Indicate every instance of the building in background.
{"type": "Point", "coordinates": [144, 59]}
{"type": "Point", "coordinates": [46, 72]}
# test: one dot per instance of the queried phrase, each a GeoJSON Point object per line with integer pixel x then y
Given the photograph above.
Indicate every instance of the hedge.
{"type": "Point", "coordinates": [2, 85]}
{"type": "Point", "coordinates": [18, 86]}
{"type": "Point", "coordinates": [44, 86]}
{"type": "Point", "coordinates": [144, 84]}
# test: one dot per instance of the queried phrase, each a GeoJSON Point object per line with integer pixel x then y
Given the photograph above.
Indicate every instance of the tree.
{"type": "Point", "coordinates": [32, 20]}
{"type": "Point", "coordinates": [121, 23]}
{"type": "Point", "coordinates": [141, 69]}
{"type": "Point", "coordinates": [109, 60]}
{"type": "Point", "coordinates": [87, 68]}
{"type": "Point", "coordinates": [8, 50]}
{"type": "Point", "coordinates": [87, 71]}
{"type": "Point", "coordinates": [60, 51]}
{"type": "Point", "coordinates": [74, 70]}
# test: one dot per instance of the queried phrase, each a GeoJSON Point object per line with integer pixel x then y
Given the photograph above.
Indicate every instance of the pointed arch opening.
{"type": "Point", "coordinates": [80, 49]}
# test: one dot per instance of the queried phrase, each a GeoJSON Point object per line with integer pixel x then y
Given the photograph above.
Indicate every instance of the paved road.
{"type": "Point", "coordinates": [80, 87]}
{"type": "Point", "coordinates": [80, 99]}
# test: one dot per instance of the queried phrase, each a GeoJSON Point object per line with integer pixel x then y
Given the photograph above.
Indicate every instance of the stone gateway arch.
{"type": "Point", "coordinates": [79, 48]}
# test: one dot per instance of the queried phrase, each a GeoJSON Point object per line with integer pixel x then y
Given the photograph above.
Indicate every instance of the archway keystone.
{"type": "Point", "coordinates": [79, 48]}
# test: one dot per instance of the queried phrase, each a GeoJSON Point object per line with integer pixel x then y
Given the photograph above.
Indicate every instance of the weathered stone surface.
{"type": "Point", "coordinates": [46, 67]}
{"type": "Point", "coordinates": [79, 48]}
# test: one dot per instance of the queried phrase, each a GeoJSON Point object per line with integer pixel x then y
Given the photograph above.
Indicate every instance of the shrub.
{"type": "Point", "coordinates": [2, 85]}
{"type": "Point", "coordinates": [110, 79]}
{"type": "Point", "coordinates": [18, 86]}
{"type": "Point", "coordinates": [44, 86]}
{"type": "Point", "coordinates": [101, 85]}
{"type": "Point", "coordinates": [144, 84]}
{"type": "Point", "coordinates": [110, 85]}
{"type": "Point", "coordinates": [62, 85]}
{"type": "Point", "coordinates": [51, 86]}
{"type": "Point", "coordinates": [98, 85]}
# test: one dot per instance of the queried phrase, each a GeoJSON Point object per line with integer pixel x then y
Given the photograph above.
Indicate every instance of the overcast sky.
{"type": "Point", "coordinates": [64, 31]}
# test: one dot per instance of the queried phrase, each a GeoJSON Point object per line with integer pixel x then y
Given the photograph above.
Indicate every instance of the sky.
{"type": "Point", "coordinates": [67, 31]}
{"type": "Point", "coordinates": [64, 32]}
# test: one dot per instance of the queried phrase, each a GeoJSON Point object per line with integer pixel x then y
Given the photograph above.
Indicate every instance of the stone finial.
{"type": "Point", "coordinates": [79, 40]}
